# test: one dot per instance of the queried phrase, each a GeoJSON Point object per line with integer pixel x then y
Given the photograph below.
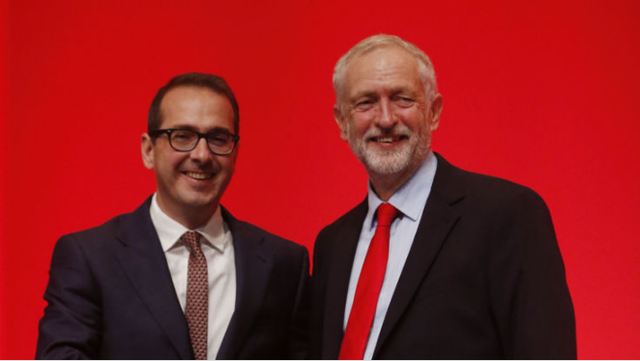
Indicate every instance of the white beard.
{"type": "Point", "coordinates": [393, 161]}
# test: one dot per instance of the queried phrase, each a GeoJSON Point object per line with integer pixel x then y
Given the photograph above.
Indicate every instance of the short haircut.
{"type": "Point", "coordinates": [425, 67]}
{"type": "Point", "coordinates": [213, 82]}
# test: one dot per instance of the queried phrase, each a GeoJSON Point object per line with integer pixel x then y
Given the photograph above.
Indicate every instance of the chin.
{"type": "Point", "coordinates": [386, 162]}
{"type": "Point", "coordinates": [395, 162]}
{"type": "Point", "coordinates": [385, 167]}
{"type": "Point", "coordinates": [199, 200]}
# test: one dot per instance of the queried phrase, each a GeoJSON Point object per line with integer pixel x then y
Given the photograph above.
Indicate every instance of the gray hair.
{"type": "Point", "coordinates": [425, 68]}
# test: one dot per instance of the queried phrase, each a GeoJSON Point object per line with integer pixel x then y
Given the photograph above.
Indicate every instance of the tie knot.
{"type": "Point", "coordinates": [386, 214]}
{"type": "Point", "coordinates": [192, 240]}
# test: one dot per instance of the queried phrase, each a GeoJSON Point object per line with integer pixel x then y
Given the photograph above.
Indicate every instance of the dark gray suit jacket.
{"type": "Point", "coordinates": [484, 278]}
{"type": "Point", "coordinates": [110, 296]}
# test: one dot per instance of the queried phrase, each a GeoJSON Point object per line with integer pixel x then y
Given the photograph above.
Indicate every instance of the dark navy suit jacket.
{"type": "Point", "coordinates": [110, 296]}
{"type": "Point", "coordinates": [484, 278]}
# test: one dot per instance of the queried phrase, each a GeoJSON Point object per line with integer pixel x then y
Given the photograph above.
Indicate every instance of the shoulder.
{"type": "Point", "coordinates": [490, 207]}
{"type": "Point", "coordinates": [96, 235]}
{"type": "Point", "coordinates": [79, 257]}
{"type": "Point", "coordinates": [475, 188]}
{"type": "Point", "coordinates": [119, 227]}
{"type": "Point", "coordinates": [86, 249]}
{"type": "Point", "coordinates": [109, 227]}
{"type": "Point", "coordinates": [353, 218]}
{"type": "Point", "coordinates": [345, 229]}
{"type": "Point", "coordinates": [254, 234]}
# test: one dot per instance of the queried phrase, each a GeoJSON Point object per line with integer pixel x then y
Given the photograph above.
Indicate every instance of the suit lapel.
{"type": "Point", "coordinates": [144, 262]}
{"type": "Point", "coordinates": [253, 267]}
{"type": "Point", "coordinates": [438, 218]}
{"type": "Point", "coordinates": [342, 255]}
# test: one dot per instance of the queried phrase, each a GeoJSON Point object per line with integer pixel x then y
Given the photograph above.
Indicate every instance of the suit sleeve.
{"type": "Point", "coordinates": [299, 330]}
{"type": "Point", "coordinates": [72, 321]}
{"type": "Point", "coordinates": [317, 299]}
{"type": "Point", "coordinates": [530, 295]}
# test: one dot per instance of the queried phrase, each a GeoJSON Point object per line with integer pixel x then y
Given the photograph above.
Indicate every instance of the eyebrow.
{"type": "Point", "coordinates": [391, 92]}
{"type": "Point", "coordinates": [363, 94]}
{"type": "Point", "coordinates": [213, 130]}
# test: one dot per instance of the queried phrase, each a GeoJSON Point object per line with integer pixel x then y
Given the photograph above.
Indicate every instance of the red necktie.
{"type": "Point", "coordinates": [197, 308]}
{"type": "Point", "coordinates": [368, 289]}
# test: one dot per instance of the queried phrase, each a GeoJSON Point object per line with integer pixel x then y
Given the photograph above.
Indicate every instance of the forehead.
{"type": "Point", "coordinates": [382, 67]}
{"type": "Point", "coordinates": [196, 107]}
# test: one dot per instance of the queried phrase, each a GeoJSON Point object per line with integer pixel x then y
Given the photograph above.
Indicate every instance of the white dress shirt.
{"type": "Point", "coordinates": [217, 246]}
{"type": "Point", "coordinates": [409, 200]}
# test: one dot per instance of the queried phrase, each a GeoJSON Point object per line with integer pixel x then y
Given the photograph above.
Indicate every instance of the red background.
{"type": "Point", "coordinates": [543, 93]}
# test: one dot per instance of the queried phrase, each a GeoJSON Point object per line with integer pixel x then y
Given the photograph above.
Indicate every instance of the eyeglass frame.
{"type": "Point", "coordinates": [234, 139]}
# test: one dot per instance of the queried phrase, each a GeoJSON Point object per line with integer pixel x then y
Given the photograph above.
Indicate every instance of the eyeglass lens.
{"type": "Point", "coordinates": [186, 140]}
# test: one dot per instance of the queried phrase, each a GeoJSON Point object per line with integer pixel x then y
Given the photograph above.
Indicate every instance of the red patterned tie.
{"type": "Point", "coordinates": [366, 298]}
{"type": "Point", "coordinates": [197, 309]}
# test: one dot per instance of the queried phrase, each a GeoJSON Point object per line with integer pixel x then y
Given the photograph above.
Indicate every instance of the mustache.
{"type": "Point", "coordinates": [398, 130]}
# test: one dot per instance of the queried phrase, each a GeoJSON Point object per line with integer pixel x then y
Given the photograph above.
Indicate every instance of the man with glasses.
{"type": "Point", "coordinates": [180, 277]}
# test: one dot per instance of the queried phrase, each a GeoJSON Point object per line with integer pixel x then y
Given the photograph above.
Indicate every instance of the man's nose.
{"type": "Point", "coordinates": [201, 152]}
{"type": "Point", "coordinates": [386, 118]}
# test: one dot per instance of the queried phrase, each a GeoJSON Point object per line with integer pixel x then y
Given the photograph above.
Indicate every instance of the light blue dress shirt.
{"type": "Point", "coordinates": [410, 200]}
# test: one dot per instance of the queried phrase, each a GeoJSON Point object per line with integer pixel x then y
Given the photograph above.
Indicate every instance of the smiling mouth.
{"type": "Point", "coordinates": [198, 175]}
{"type": "Point", "coordinates": [388, 139]}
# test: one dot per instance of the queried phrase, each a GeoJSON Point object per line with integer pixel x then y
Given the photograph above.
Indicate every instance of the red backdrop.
{"type": "Point", "coordinates": [542, 93]}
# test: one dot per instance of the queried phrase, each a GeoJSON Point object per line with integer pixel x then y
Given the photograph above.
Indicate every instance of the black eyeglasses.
{"type": "Point", "coordinates": [185, 140]}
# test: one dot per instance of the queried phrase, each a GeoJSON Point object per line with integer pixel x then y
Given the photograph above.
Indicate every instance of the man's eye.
{"type": "Point", "coordinates": [364, 105]}
{"type": "Point", "coordinates": [404, 101]}
{"type": "Point", "coordinates": [218, 139]}
{"type": "Point", "coordinates": [181, 135]}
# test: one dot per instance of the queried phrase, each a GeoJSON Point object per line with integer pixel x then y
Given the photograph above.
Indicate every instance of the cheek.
{"type": "Point", "coordinates": [227, 164]}
{"type": "Point", "coordinates": [360, 123]}
{"type": "Point", "coordinates": [230, 167]}
{"type": "Point", "coordinates": [416, 119]}
{"type": "Point", "coordinates": [168, 162]}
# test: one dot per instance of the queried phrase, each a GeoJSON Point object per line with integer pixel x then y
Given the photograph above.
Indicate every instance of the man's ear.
{"type": "Point", "coordinates": [434, 112]}
{"type": "Point", "coordinates": [146, 146]}
{"type": "Point", "coordinates": [341, 121]}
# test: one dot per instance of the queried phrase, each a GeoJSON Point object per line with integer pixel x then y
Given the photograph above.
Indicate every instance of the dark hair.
{"type": "Point", "coordinates": [213, 82]}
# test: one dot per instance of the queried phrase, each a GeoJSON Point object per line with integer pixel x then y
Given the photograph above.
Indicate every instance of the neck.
{"type": "Point", "coordinates": [194, 219]}
{"type": "Point", "coordinates": [190, 217]}
{"type": "Point", "coordinates": [385, 185]}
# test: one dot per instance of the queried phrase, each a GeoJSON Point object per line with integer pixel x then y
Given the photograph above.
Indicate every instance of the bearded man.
{"type": "Point", "coordinates": [436, 262]}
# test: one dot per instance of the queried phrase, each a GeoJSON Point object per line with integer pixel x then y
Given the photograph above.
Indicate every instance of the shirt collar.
{"type": "Point", "coordinates": [169, 231]}
{"type": "Point", "coordinates": [411, 198]}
